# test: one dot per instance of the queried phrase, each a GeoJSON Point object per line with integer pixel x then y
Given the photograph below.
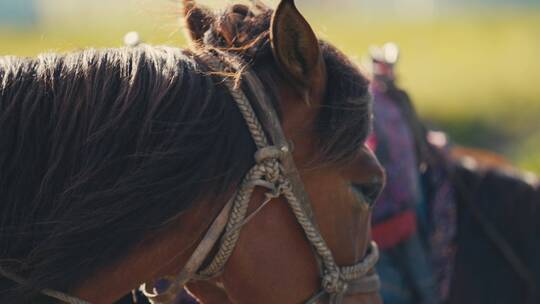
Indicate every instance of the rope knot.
{"type": "Point", "coordinates": [275, 192]}
{"type": "Point", "coordinates": [332, 283]}
{"type": "Point", "coordinates": [268, 153]}
{"type": "Point", "coordinates": [268, 158]}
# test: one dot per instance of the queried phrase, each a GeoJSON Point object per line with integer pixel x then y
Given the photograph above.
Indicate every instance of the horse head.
{"type": "Point", "coordinates": [139, 149]}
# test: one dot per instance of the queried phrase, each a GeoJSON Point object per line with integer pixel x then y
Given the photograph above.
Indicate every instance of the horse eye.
{"type": "Point", "coordinates": [368, 193]}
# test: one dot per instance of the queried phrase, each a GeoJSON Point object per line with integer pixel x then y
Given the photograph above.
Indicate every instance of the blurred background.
{"type": "Point", "coordinates": [471, 66]}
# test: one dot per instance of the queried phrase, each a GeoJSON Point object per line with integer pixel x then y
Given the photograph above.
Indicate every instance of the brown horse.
{"type": "Point", "coordinates": [114, 163]}
{"type": "Point", "coordinates": [498, 241]}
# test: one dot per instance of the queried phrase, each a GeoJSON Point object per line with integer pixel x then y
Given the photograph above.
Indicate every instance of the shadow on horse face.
{"type": "Point", "coordinates": [324, 109]}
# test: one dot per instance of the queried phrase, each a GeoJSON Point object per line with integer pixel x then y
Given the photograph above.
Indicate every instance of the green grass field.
{"type": "Point", "coordinates": [476, 76]}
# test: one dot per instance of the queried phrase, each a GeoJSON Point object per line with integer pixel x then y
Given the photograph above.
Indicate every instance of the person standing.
{"type": "Point", "coordinates": [415, 261]}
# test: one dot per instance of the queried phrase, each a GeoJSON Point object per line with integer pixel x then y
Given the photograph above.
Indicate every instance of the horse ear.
{"type": "Point", "coordinates": [295, 45]}
{"type": "Point", "coordinates": [198, 20]}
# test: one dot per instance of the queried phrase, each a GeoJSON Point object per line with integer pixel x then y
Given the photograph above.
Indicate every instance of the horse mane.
{"type": "Point", "coordinates": [100, 147]}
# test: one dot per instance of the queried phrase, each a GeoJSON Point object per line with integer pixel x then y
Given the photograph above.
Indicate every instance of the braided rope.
{"type": "Point", "coordinates": [350, 273]}
{"type": "Point", "coordinates": [218, 64]}
{"type": "Point", "coordinates": [269, 173]}
{"type": "Point", "coordinates": [238, 214]}
{"type": "Point", "coordinates": [267, 170]}
{"type": "Point", "coordinates": [331, 276]}
{"type": "Point", "coordinates": [332, 280]}
{"type": "Point", "coordinates": [334, 277]}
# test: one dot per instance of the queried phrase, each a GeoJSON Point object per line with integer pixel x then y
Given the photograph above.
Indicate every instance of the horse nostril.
{"type": "Point", "coordinates": [369, 192]}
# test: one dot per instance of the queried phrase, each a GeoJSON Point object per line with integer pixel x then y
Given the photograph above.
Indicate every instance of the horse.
{"type": "Point", "coordinates": [497, 245]}
{"type": "Point", "coordinates": [122, 166]}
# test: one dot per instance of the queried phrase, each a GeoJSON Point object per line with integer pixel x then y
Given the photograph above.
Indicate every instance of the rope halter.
{"type": "Point", "coordinates": [275, 171]}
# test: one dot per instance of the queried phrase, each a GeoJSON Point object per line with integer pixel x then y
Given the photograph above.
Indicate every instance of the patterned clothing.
{"type": "Point", "coordinates": [394, 145]}
{"type": "Point", "coordinates": [441, 227]}
{"type": "Point", "coordinates": [414, 221]}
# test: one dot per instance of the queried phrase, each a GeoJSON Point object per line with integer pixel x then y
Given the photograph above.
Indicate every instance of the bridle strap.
{"type": "Point", "coordinates": [272, 126]}
{"type": "Point", "coordinates": [367, 284]}
{"type": "Point", "coordinates": [199, 255]}
{"type": "Point", "coordinates": [265, 128]}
